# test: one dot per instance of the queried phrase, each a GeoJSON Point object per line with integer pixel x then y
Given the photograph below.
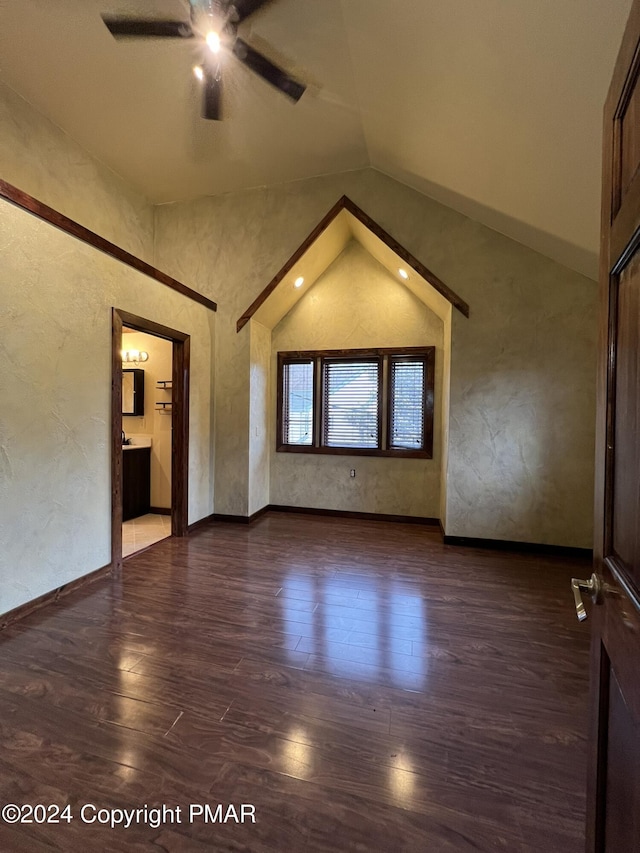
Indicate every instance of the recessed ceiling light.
{"type": "Point", "coordinates": [298, 282]}
{"type": "Point", "coordinates": [199, 73]}
{"type": "Point", "coordinates": [403, 274]}
{"type": "Point", "coordinates": [213, 42]}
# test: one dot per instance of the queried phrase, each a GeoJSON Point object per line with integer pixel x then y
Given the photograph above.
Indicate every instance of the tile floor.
{"type": "Point", "coordinates": [139, 533]}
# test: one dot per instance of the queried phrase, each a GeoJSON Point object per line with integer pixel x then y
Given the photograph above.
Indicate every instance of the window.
{"type": "Point", "coordinates": [368, 402]}
{"type": "Point", "coordinates": [297, 397]}
{"type": "Point", "coordinates": [351, 402]}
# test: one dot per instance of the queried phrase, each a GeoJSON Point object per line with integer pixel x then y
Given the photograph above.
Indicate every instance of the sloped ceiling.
{"type": "Point", "coordinates": [490, 106]}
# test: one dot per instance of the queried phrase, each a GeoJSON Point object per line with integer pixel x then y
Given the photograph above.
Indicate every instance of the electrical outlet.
{"type": "Point", "coordinates": [352, 472]}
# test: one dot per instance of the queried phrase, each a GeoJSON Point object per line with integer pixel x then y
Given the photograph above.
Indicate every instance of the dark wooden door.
{"type": "Point", "coordinates": [613, 798]}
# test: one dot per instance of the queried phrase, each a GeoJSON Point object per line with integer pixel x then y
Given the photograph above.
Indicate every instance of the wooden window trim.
{"type": "Point", "coordinates": [384, 409]}
{"type": "Point", "coordinates": [428, 383]}
{"type": "Point", "coordinates": [302, 359]}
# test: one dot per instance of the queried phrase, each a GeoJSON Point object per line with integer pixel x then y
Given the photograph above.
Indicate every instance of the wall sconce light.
{"type": "Point", "coordinates": [134, 356]}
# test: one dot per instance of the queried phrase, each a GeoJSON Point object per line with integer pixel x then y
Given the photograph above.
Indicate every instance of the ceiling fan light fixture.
{"type": "Point", "coordinates": [212, 23]}
{"type": "Point", "coordinates": [213, 41]}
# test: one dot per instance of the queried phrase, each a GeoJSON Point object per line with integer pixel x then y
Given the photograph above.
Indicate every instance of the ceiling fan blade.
{"type": "Point", "coordinates": [136, 28]}
{"type": "Point", "coordinates": [268, 71]}
{"type": "Point", "coordinates": [212, 92]}
{"type": "Point", "coordinates": [244, 8]}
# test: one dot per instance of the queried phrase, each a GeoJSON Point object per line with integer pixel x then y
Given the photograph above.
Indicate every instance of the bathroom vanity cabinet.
{"type": "Point", "coordinates": [136, 482]}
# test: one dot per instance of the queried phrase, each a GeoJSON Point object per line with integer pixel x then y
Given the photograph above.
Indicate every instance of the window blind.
{"type": "Point", "coordinates": [351, 403]}
{"type": "Point", "coordinates": [406, 403]}
{"type": "Point", "coordinates": [297, 403]}
{"type": "Point", "coordinates": [375, 402]}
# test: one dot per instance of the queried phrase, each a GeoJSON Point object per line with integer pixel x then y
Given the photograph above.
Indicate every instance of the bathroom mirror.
{"type": "Point", "coordinates": [133, 392]}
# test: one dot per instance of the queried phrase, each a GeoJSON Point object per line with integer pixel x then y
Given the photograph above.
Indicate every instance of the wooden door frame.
{"type": "Point", "coordinates": [179, 421]}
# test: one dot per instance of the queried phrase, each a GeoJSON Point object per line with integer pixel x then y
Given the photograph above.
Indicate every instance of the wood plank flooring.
{"type": "Point", "coordinates": [364, 686]}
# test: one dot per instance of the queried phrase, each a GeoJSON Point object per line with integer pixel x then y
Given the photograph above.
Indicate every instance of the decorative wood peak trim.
{"type": "Point", "coordinates": [286, 269]}
{"type": "Point", "coordinates": [54, 217]}
{"type": "Point", "coordinates": [406, 256]}
{"type": "Point", "coordinates": [345, 203]}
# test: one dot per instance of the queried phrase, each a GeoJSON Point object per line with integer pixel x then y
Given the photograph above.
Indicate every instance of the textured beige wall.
{"type": "Point", "coordinates": [154, 423]}
{"type": "Point", "coordinates": [56, 295]}
{"type": "Point", "coordinates": [522, 398]}
{"type": "Point", "coordinates": [39, 158]}
{"type": "Point", "coordinates": [523, 404]}
{"type": "Point", "coordinates": [260, 426]}
{"type": "Point", "coordinates": [357, 304]}
{"type": "Point", "coordinates": [444, 415]}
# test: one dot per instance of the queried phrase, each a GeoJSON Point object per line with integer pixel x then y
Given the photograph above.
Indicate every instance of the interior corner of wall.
{"type": "Point", "coordinates": [445, 413]}
{"type": "Point", "coordinates": [259, 431]}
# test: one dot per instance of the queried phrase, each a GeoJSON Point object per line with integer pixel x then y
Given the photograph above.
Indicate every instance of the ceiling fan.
{"type": "Point", "coordinates": [215, 24]}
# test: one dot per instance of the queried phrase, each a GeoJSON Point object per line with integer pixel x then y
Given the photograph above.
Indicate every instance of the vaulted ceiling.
{"type": "Point", "coordinates": [490, 106]}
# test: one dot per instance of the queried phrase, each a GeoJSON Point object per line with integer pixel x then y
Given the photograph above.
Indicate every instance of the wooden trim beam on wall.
{"type": "Point", "coordinates": [407, 257]}
{"type": "Point", "coordinates": [345, 203]}
{"type": "Point", "coordinates": [54, 217]}
{"type": "Point", "coordinates": [180, 437]}
{"type": "Point", "coordinates": [116, 441]}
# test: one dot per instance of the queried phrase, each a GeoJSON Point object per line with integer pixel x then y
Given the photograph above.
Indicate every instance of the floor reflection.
{"type": "Point", "coordinates": [297, 754]}
{"type": "Point", "coordinates": [297, 592]}
{"type": "Point", "coordinates": [402, 779]}
{"type": "Point", "coordinates": [364, 627]}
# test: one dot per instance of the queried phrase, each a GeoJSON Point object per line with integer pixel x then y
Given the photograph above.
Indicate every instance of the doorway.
{"type": "Point", "coordinates": [147, 401]}
{"type": "Point", "coordinates": [157, 405]}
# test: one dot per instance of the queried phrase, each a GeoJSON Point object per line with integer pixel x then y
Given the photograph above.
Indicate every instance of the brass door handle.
{"type": "Point", "coordinates": [593, 585]}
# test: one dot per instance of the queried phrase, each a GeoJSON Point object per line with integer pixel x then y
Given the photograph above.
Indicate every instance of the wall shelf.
{"type": "Point", "coordinates": [164, 406]}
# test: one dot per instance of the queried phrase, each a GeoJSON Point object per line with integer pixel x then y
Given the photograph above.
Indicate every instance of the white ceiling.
{"type": "Point", "coordinates": [491, 106]}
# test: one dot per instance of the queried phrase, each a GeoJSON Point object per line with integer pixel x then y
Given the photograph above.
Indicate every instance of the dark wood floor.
{"type": "Point", "coordinates": [364, 686]}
